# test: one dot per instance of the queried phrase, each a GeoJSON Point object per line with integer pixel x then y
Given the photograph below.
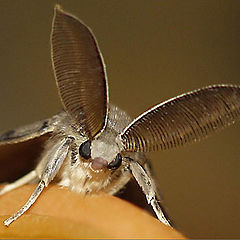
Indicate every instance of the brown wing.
{"type": "Point", "coordinates": [20, 148]}
{"type": "Point", "coordinates": [80, 72]}
{"type": "Point", "coordinates": [18, 159]}
{"type": "Point", "coordinates": [27, 132]}
{"type": "Point", "coordinates": [183, 119]}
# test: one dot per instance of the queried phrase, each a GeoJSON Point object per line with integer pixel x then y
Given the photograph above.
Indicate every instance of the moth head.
{"type": "Point", "coordinates": [102, 154]}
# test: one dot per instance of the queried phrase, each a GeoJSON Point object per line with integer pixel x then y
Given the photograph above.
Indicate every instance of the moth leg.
{"type": "Point", "coordinates": [27, 205]}
{"type": "Point", "coordinates": [20, 182]}
{"type": "Point", "coordinates": [148, 187]}
{"type": "Point", "coordinates": [57, 156]}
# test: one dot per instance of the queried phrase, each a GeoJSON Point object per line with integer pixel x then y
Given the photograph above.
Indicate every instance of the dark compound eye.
{"type": "Point", "coordinates": [85, 150]}
{"type": "Point", "coordinates": [116, 163]}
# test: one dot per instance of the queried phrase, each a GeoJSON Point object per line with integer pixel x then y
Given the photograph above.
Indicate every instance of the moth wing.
{"type": "Point", "coordinates": [19, 148]}
{"type": "Point", "coordinates": [26, 133]}
{"type": "Point", "coordinates": [183, 119]}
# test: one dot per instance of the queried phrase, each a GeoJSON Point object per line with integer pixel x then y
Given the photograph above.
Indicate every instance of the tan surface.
{"type": "Point", "coordinates": [59, 213]}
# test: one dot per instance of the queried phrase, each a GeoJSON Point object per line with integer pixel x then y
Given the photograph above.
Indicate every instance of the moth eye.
{"type": "Point", "coordinates": [116, 163]}
{"type": "Point", "coordinates": [85, 150]}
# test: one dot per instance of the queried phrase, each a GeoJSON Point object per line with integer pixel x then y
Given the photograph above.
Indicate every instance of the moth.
{"type": "Point", "coordinates": [94, 146]}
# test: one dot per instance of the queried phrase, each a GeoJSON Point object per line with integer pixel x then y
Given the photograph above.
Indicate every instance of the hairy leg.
{"type": "Point", "coordinates": [56, 157]}
{"type": "Point", "coordinates": [148, 187]}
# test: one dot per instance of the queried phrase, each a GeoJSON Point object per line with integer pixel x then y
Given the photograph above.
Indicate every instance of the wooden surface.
{"type": "Point", "coordinates": [59, 213]}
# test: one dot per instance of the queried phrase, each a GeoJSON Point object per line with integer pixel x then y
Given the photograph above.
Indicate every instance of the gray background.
{"type": "Point", "coordinates": [153, 50]}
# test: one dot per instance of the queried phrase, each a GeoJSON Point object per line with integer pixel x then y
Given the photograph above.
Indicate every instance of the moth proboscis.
{"type": "Point", "coordinates": [94, 146]}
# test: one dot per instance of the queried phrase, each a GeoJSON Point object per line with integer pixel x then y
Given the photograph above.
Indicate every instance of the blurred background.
{"type": "Point", "coordinates": [154, 50]}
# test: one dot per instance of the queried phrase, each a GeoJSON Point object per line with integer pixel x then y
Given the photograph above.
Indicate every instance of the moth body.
{"type": "Point", "coordinates": [77, 173]}
{"type": "Point", "coordinates": [94, 146]}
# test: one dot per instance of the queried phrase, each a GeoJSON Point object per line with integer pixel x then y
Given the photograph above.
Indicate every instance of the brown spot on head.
{"type": "Point", "coordinates": [99, 163]}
